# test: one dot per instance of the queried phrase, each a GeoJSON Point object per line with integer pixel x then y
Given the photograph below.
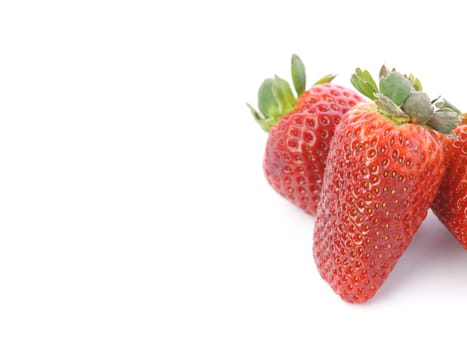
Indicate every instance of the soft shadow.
{"type": "Point", "coordinates": [433, 257]}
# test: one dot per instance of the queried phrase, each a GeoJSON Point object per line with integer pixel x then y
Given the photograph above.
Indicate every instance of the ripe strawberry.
{"type": "Point", "coordinates": [450, 204]}
{"type": "Point", "coordinates": [382, 174]}
{"type": "Point", "coordinates": [299, 132]}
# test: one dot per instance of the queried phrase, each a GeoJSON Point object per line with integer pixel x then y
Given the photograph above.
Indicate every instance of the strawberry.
{"type": "Point", "coordinates": [450, 205]}
{"type": "Point", "coordinates": [384, 167]}
{"type": "Point", "coordinates": [300, 130]}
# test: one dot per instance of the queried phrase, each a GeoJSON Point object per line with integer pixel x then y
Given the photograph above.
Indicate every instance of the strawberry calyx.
{"type": "Point", "coordinates": [276, 98]}
{"type": "Point", "coordinates": [400, 98]}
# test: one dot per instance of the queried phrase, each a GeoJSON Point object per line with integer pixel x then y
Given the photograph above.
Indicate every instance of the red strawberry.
{"type": "Point", "coordinates": [382, 174]}
{"type": "Point", "coordinates": [299, 132]}
{"type": "Point", "coordinates": [450, 204]}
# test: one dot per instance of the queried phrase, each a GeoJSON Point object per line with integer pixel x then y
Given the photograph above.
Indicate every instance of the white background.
{"type": "Point", "coordinates": [134, 213]}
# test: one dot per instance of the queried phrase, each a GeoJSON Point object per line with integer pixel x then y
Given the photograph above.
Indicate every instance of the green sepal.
{"type": "Point", "coordinates": [418, 107]}
{"type": "Point", "coordinates": [387, 106]}
{"type": "Point", "coordinates": [264, 123]}
{"type": "Point", "coordinates": [396, 87]}
{"type": "Point", "coordinates": [283, 95]}
{"type": "Point", "coordinates": [445, 121]}
{"type": "Point", "coordinates": [298, 75]}
{"type": "Point", "coordinates": [443, 103]}
{"type": "Point", "coordinates": [364, 83]}
{"type": "Point", "coordinates": [400, 99]}
{"type": "Point", "coordinates": [416, 83]}
{"type": "Point", "coordinates": [326, 79]}
{"type": "Point", "coordinates": [266, 102]}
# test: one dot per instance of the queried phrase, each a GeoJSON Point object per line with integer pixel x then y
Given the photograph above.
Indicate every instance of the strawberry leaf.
{"type": "Point", "coordinates": [265, 124]}
{"type": "Point", "coordinates": [419, 107]}
{"type": "Point", "coordinates": [416, 83]}
{"type": "Point", "coordinates": [445, 121]}
{"type": "Point", "coordinates": [443, 103]}
{"type": "Point", "coordinates": [385, 104]}
{"type": "Point", "coordinates": [298, 75]}
{"type": "Point", "coordinates": [396, 87]}
{"type": "Point", "coordinates": [266, 102]}
{"type": "Point", "coordinates": [364, 83]}
{"type": "Point", "coordinates": [283, 95]}
{"type": "Point", "coordinates": [326, 79]}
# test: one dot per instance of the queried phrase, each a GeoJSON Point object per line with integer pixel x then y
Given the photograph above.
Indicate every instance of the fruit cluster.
{"type": "Point", "coordinates": [368, 168]}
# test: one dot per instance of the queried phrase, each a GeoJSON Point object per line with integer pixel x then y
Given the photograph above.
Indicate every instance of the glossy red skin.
{"type": "Point", "coordinates": [450, 205]}
{"type": "Point", "coordinates": [298, 145]}
{"type": "Point", "coordinates": [379, 182]}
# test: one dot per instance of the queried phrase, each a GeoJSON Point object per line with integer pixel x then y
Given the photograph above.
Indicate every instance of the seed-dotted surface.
{"type": "Point", "coordinates": [450, 204]}
{"type": "Point", "coordinates": [379, 182]}
{"type": "Point", "coordinates": [298, 146]}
